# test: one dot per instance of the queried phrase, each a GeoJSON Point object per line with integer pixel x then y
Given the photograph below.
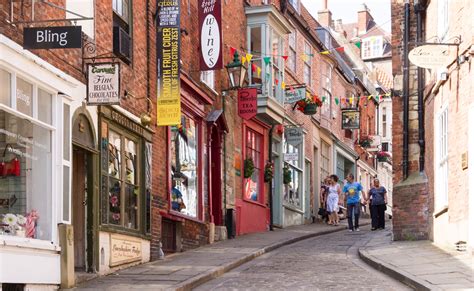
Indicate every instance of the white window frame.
{"type": "Point", "coordinates": [208, 78]}
{"type": "Point", "coordinates": [325, 160]}
{"type": "Point", "coordinates": [372, 47]}
{"type": "Point", "coordinates": [443, 19]}
{"type": "Point", "coordinates": [326, 86]}
{"type": "Point", "coordinates": [442, 158]}
{"type": "Point", "coordinates": [307, 64]}
{"type": "Point", "coordinates": [384, 122]}
{"type": "Point", "coordinates": [292, 44]}
{"type": "Point", "coordinates": [298, 167]}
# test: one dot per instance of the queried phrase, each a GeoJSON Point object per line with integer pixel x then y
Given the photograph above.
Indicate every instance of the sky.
{"type": "Point", "coordinates": [347, 10]}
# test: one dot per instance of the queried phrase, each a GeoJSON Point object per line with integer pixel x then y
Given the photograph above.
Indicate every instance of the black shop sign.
{"type": "Point", "coordinates": [58, 37]}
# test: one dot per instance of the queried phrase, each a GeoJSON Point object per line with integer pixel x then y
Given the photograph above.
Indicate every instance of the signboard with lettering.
{"type": "Point", "coordinates": [295, 94]}
{"type": "Point", "coordinates": [168, 53]}
{"type": "Point", "coordinates": [103, 83]}
{"type": "Point", "coordinates": [289, 157]}
{"type": "Point", "coordinates": [432, 56]}
{"type": "Point", "coordinates": [58, 37]}
{"type": "Point", "coordinates": [210, 25]}
{"type": "Point", "coordinates": [350, 119]}
{"type": "Point", "coordinates": [124, 250]}
{"type": "Point", "coordinates": [247, 103]}
{"type": "Point", "coordinates": [294, 135]}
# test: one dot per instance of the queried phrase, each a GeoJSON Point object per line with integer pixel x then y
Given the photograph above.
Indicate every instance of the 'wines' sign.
{"type": "Point", "coordinates": [58, 37]}
{"type": "Point", "coordinates": [210, 16]}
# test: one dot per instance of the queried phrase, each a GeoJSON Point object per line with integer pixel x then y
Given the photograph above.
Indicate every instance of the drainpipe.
{"type": "Point", "coordinates": [270, 192]}
{"type": "Point", "coordinates": [406, 90]}
{"type": "Point", "coordinates": [224, 217]}
{"type": "Point", "coordinates": [421, 83]}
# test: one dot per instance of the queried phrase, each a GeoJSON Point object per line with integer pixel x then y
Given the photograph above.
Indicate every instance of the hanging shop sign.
{"type": "Point", "coordinates": [103, 84]}
{"type": "Point", "coordinates": [168, 46]}
{"type": "Point", "coordinates": [247, 103]}
{"type": "Point", "coordinates": [295, 94]}
{"type": "Point", "coordinates": [59, 37]}
{"type": "Point", "coordinates": [432, 56]}
{"type": "Point", "coordinates": [294, 135]}
{"type": "Point", "coordinates": [350, 119]}
{"type": "Point", "coordinates": [210, 27]}
{"type": "Point", "coordinates": [124, 250]}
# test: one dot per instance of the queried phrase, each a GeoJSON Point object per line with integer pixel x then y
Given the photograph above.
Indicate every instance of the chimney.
{"type": "Point", "coordinates": [363, 19]}
{"type": "Point", "coordinates": [325, 16]}
{"type": "Point", "coordinates": [339, 28]}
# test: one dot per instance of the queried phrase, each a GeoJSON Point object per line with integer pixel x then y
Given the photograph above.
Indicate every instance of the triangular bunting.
{"type": "Point", "coordinates": [324, 98]}
{"type": "Point", "coordinates": [336, 100]}
{"type": "Point", "coordinates": [340, 49]}
{"type": "Point", "coordinates": [305, 58]}
{"type": "Point", "coordinates": [244, 60]}
{"type": "Point", "coordinates": [254, 68]}
{"type": "Point", "coordinates": [283, 85]}
{"type": "Point", "coordinates": [232, 51]}
{"type": "Point", "coordinates": [248, 57]}
{"type": "Point", "coordinates": [285, 57]}
{"type": "Point", "coordinates": [267, 60]}
{"type": "Point", "coordinates": [259, 71]}
{"type": "Point", "coordinates": [325, 53]}
{"type": "Point", "coordinates": [276, 81]}
{"type": "Point", "coordinates": [358, 44]}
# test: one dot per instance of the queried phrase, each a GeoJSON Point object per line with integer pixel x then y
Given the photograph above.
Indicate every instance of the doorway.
{"type": "Point", "coordinates": [81, 167]}
{"type": "Point", "coordinates": [216, 176]}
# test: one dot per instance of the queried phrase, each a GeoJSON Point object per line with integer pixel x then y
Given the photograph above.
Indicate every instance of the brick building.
{"type": "Point", "coordinates": [441, 207]}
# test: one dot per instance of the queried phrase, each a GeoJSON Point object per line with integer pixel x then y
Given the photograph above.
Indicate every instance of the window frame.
{"type": "Point", "coordinates": [443, 19]}
{"type": "Point", "coordinates": [199, 169]}
{"type": "Point", "coordinates": [442, 159]}
{"type": "Point", "coordinates": [307, 65]}
{"type": "Point", "coordinates": [292, 49]}
{"type": "Point", "coordinates": [262, 185]}
{"type": "Point", "coordinates": [299, 170]}
{"type": "Point", "coordinates": [208, 78]}
{"type": "Point", "coordinates": [324, 172]}
{"type": "Point", "coordinates": [372, 49]}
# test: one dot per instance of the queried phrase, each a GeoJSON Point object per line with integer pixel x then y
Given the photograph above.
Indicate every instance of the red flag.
{"type": "Point", "coordinates": [276, 81]}
{"type": "Point", "coordinates": [232, 51]}
{"type": "Point", "coordinates": [340, 49]}
{"type": "Point", "coordinates": [285, 57]}
{"type": "Point", "coordinates": [292, 89]}
{"type": "Point", "coordinates": [254, 68]}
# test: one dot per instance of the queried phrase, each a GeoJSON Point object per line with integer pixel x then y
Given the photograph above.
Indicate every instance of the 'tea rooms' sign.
{"type": "Point", "coordinates": [210, 16]}
{"type": "Point", "coordinates": [58, 37]}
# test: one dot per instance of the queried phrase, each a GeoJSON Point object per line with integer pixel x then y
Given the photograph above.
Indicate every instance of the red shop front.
{"type": "Point", "coordinates": [253, 213]}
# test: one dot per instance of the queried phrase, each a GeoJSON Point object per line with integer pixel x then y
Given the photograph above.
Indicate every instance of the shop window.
{"type": "Point", "coordinates": [184, 149]}
{"type": "Point", "coordinates": [5, 84]}
{"type": "Point", "coordinates": [293, 190]}
{"type": "Point", "coordinates": [121, 191]}
{"type": "Point", "coordinates": [24, 96]}
{"type": "Point", "coordinates": [253, 186]}
{"type": "Point", "coordinates": [25, 177]}
{"type": "Point", "coordinates": [45, 105]}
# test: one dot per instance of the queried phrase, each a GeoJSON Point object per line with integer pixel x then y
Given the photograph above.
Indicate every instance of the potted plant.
{"type": "Point", "coordinates": [249, 168]}
{"type": "Point", "coordinates": [309, 105]}
{"type": "Point", "coordinates": [382, 156]}
{"type": "Point", "coordinates": [366, 141]}
{"type": "Point", "coordinates": [268, 175]}
{"type": "Point", "coordinates": [286, 175]}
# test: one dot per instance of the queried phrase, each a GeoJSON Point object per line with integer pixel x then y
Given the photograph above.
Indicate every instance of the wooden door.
{"type": "Point", "coordinates": [216, 174]}
{"type": "Point", "coordinates": [78, 207]}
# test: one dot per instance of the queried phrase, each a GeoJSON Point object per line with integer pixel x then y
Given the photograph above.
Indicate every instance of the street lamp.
{"type": "Point", "coordinates": [237, 72]}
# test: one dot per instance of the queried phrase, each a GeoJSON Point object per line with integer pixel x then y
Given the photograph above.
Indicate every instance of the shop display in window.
{"type": "Point", "coordinates": [253, 162]}
{"type": "Point", "coordinates": [184, 167]}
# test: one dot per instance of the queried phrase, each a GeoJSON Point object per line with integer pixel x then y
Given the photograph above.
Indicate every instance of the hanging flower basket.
{"type": "Point", "coordinates": [309, 105]}
{"type": "Point", "coordinates": [249, 168]}
{"type": "Point", "coordinates": [286, 175]}
{"type": "Point", "coordinates": [365, 141]}
{"type": "Point", "coordinates": [382, 156]}
{"type": "Point", "coordinates": [268, 175]}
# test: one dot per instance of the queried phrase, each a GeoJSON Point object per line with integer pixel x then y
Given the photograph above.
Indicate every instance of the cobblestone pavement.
{"type": "Point", "coordinates": [329, 262]}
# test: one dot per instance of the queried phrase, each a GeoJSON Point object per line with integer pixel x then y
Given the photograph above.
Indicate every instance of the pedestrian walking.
{"type": "Point", "coordinates": [378, 203]}
{"type": "Point", "coordinates": [353, 191]}
{"type": "Point", "coordinates": [333, 200]}
{"type": "Point", "coordinates": [323, 196]}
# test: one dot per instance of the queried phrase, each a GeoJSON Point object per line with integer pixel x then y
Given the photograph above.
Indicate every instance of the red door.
{"type": "Point", "coordinates": [216, 176]}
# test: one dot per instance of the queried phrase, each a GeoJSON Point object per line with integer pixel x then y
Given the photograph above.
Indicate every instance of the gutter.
{"type": "Point", "coordinates": [406, 89]}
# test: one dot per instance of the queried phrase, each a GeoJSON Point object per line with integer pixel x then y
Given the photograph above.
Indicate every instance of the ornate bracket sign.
{"type": "Point", "coordinates": [103, 84]}
{"type": "Point", "coordinates": [247, 103]}
{"type": "Point", "coordinates": [59, 37]}
{"type": "Point", "coordinates": [350, 119]}
{"type": "Point", "coordinates": [432, 56]}
{"type": "Point", "coordinates": [296, 94]}
{"type": "Point", "coordinates": [168, 46]}
{"type": "Point", "coordinates": [210, 24]}
{"type": "Point", "coordinates": [294, 135]}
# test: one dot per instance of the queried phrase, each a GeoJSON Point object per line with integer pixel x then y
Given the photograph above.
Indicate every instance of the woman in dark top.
{"type": "Point", "coordinates": [378, 205]}
{"type": "Point", "coordinates": [323, 196]}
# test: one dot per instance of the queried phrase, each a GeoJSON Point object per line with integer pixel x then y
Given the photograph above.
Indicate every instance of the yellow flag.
{"type": "Point", "coordinates": [325, 53]}
{"type": "Point", "coordinates": [304, 57]}
{"type": "Point", "coordinates": [283, 85]}
{"type": "Point", "coordinates": [351, 99]}
{"type": "Point", "coordinates": [248, 57]}
{"type": "Point", "coordinates": [243, 60]}
{"type": "Point", "coordinates": [259, 71]}
{"type": "Point", "coordinates": [370, 96]}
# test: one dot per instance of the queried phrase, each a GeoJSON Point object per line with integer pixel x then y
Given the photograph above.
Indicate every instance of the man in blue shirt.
{"type": "Point", "coordinates": [353, 191]}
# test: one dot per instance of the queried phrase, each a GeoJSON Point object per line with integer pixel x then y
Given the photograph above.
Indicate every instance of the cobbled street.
{"type": "Point", "coordinates": [327, 262]}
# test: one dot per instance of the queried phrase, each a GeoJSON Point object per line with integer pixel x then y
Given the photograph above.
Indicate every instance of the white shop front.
{"type": "Point", "coordinates": [35, 165]}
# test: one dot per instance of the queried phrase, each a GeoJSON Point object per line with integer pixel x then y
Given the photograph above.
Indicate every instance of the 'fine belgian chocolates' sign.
{"type": "Point", "coordinates": [58, 37]}
{"type": "Point", "coordinates": [103, 84]}
{"type": "Point", "coordinates": [168, 54]}
{"type": "Point", "coordinates": [210, 26]}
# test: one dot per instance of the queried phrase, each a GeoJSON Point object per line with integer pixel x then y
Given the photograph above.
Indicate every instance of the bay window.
{"type": "Point", "coordinates": [184, 155]}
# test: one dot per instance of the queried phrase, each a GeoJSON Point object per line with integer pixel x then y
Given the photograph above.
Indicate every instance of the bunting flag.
{"type": "Point", "coordinates": [305, 57]}
{"type": "Point", "coordinates": [267, 60]}
{"type": "Point", "coordinates": [259, 71]}
{"type": "Point", "coordinates": [358, 44]}
{"type": "Point", "coordinates": [336, 100]}
{"type": "Point", "coordinates": [340, 49]}
{"type": "Point", "coordinates": [325, 53]}
{"type": "Point", "coordinates": [369, 97]}
{"type": "Point", "coordinates": [324, 99]}
{"type": "Point", "coordinates": [276, 81]}
{"type": "Point", "coordinates": [248, 57]}
{"type": "Point", "coordinates": [283, 85]}
{"type": "Point", "coordinates": [285, 57]}
{"type": "Point", "coordinates": [232, 51]}
{"type": "Point", "coordinates": [254, 68]}
{"type": "Point", "coordinates": [292, 89]}
{"type": "Point", "coordinates": [244, 60]}
{"type": "Point", "coordinates": [351, 99]}
{"type": "Point", "coordinates": [377, 98]}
